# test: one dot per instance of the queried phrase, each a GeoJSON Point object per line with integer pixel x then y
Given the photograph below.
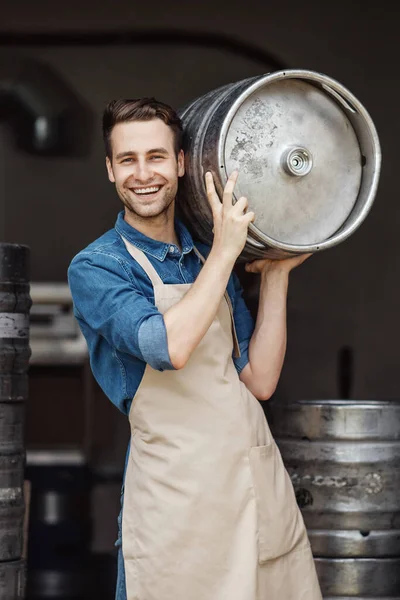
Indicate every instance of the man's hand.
{"type": "Point", "coordinates": [188, 320]}
{"type": "Point", "coordinates": [231, 221]}
{"type": "Point", "coordinates": [267, 265]}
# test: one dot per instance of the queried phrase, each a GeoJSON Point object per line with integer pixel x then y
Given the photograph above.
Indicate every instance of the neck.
{"type": "Point", "coordinates": [160, 228]}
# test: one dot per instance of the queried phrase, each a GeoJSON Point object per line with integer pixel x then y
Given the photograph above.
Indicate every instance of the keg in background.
{"type": "Point", "coordinates": [308, 155]}
{"type": "Point", "coordinates": [12, 580]}
{"type": "Point", "coordinates": [60, 527]}
{"type": "Point", "coordinates": [361, 578]}
{"type": "Point", "coordinates": [15, 305]}
{"type": "Point", "coordinates": [343, 457]}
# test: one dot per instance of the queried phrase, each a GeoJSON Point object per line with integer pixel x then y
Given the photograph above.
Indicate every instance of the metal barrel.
{"type": "Point", "coordinates": [15, 305]}
{"type": "Point", "coordinates": [11, 505]}
{"type": "Point", "coordinates": [12, 580]}
{"type": "Point", "coordinates": [359, 577]}
{"type": "Point", "coordinates": [343, 457]}
{"type": "Point", "coordinates": [308, 156]}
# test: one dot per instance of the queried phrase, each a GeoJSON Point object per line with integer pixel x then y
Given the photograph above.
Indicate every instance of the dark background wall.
{"type": "Point", "coordinates": [346, 296]}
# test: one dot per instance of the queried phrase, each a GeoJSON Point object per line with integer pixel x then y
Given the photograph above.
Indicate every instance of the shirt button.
{"type": "Point", "coordinates": [171, 249]}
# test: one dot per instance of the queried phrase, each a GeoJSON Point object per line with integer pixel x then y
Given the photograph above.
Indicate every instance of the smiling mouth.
{"type": "Point", "coordinates": [147, 191]}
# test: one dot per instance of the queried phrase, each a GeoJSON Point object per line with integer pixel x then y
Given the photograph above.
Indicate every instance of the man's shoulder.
{"type": "Point", "coordinates": [109, 243]}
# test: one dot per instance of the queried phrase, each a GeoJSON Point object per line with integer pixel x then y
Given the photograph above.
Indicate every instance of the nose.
{"type": "Point", "coordinates": [143, 171]}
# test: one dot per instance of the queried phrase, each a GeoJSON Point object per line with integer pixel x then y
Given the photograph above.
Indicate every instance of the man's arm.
{"type": "Point", "coordinates": [268, 343]}
{"type": "Point", "coordinates": [188, 321]}
{"type": "Point", "coordinates": [109, 301]}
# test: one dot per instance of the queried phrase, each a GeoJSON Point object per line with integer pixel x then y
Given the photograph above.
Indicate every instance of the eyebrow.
{"type": "Point", "coordinates": [132, 153]}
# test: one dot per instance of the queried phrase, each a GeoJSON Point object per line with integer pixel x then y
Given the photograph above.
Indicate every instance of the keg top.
{"type": "Point", "coordinates": [337, 419]}
{"type": "Point", "coordinates": [340, 402]}
{"type": "Point", "coordinates": [14, 263]}
{"type": "Point", "coordinates": [299, 159]}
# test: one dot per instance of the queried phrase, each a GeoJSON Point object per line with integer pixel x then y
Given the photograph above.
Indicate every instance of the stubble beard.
{"type": "Point", "coordinates": [142, 213]}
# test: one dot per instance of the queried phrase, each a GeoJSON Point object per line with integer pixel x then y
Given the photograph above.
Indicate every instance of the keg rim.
{"type": "Point", "coordinates": [341, 94]}
{"type": "Point", "coordinates": [340, 402]}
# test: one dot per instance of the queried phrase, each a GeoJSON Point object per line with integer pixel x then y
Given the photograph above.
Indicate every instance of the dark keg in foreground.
{"type": "Point", "coordinates": [308, 155]}
{"type": "Point", "coordinates": [12, 506]}
{"type": "Point", "coordinates": [343, 457]}
{"type": "Point", "coordinates": [15, 304]}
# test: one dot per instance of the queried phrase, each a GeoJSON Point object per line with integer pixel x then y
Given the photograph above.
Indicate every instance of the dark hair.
{"type": "Point", "coordinates": [142, 109]}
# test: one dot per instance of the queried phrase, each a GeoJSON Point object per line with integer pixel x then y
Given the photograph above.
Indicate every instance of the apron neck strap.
{"type": "Point", "coordinates": [155, 279]}
{"type": "Point", "coordinates": [143, 261]}
{"type": "Point", "coordinates": [236, 348]}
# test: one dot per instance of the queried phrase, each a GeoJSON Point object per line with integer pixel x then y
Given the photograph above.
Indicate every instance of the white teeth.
{"type": "Point", "coordinates": [149, 190]}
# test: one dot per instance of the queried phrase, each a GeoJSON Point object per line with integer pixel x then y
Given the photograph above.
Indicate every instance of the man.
{"type": "Point", "coordinates": [209, 511]}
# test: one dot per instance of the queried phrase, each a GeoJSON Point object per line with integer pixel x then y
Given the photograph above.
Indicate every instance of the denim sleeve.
{"type": "Point", "coordinates": [106, 298]}
{"type": "Point", "coordinates": [244, 323]}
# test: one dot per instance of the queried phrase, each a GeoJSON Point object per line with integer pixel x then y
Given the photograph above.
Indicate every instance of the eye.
{"type": "Point", "coordinates": [156, 157]}
{"type": "Point", "coordinates": [126, 160]}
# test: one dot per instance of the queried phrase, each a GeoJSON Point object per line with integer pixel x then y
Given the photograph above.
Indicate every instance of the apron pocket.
{"type": "Point", "coordinates": [280, 524]}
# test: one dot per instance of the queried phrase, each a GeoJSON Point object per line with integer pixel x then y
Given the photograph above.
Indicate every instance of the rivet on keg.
{"type": "Point", "coordinates": [297, 161]}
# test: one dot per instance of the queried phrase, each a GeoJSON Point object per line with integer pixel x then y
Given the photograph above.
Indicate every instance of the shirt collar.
{"type": "Point", "coordinates": [153, 247]}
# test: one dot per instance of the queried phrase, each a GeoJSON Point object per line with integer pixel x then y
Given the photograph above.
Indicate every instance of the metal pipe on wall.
{"type": "Point", "coordinates": [47, 117]}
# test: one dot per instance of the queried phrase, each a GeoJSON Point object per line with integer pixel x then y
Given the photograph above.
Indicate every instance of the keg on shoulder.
{"type": "Point", "coordinates": [308, 156]}
{"type": "Point", "coordinates": [343, 457]}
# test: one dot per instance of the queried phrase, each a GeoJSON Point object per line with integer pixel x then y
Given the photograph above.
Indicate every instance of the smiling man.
{"type": "Point", "coordinates": [208, 510]}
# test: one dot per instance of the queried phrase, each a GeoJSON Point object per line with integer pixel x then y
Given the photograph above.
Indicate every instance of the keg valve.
{"type": "Point", "coordinates": [297, 161]}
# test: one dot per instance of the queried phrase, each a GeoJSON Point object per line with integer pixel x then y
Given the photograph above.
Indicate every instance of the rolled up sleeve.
{"type": "Point", "coordinates": [244, 324]}
{"type": "Point", "coordinates": [153, 343]}
{"type": "Point", "coordinates": [107, 299]}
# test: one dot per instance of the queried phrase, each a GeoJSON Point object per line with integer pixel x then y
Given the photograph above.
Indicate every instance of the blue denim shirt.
{"type": "Point", "coordinates": [114, 305]}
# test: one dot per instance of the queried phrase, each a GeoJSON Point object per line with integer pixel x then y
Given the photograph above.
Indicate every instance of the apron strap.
{"type": "Point", "coordinates": [155, 279]}
{"type": "Point", "coordinates": [144, 262]}
{"type": "Point", "coordinates": [236, 347]}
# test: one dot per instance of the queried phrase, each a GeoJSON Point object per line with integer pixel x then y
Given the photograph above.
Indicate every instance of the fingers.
{"type": "Point", "coordinates": [286, 264]}
{"type": "Point", "coordinates": [228, 191]}
{"type": "Point", "coordinates": [256, 266]}
{"type": "Point", "coordinates": [212, 195]}
{"type": "Point", "coordinates": [249, 217]}
{"type": "Point", "coordinates": [241, 205]}
{"type": "Point", "coordinates": [240, 208]}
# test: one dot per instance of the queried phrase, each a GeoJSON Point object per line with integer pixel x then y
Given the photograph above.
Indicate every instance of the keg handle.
{"type": "Point", "coordinates": [345, 103]}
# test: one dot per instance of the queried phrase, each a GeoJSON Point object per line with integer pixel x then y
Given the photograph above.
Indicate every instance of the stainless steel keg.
{"type": "Point", "coordinates": [345, 578]}
{"type": "Point", "coordinates": [308, 156]}
{"type": "Point", "coordinates": [343, 457]}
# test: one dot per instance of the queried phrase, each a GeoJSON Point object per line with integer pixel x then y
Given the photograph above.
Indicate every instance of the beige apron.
{"type": "Point", "coordinates": [209, 509]}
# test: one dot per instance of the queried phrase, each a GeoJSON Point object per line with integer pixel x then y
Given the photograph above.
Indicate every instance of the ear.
{"type": "Point", "coordinates": [110, 170]}
{"type": "Point", "coordinates": [181, 164]}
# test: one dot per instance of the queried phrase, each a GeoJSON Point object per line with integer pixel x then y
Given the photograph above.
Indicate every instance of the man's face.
{"type": "Point", "coordinates": [144, 167]}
